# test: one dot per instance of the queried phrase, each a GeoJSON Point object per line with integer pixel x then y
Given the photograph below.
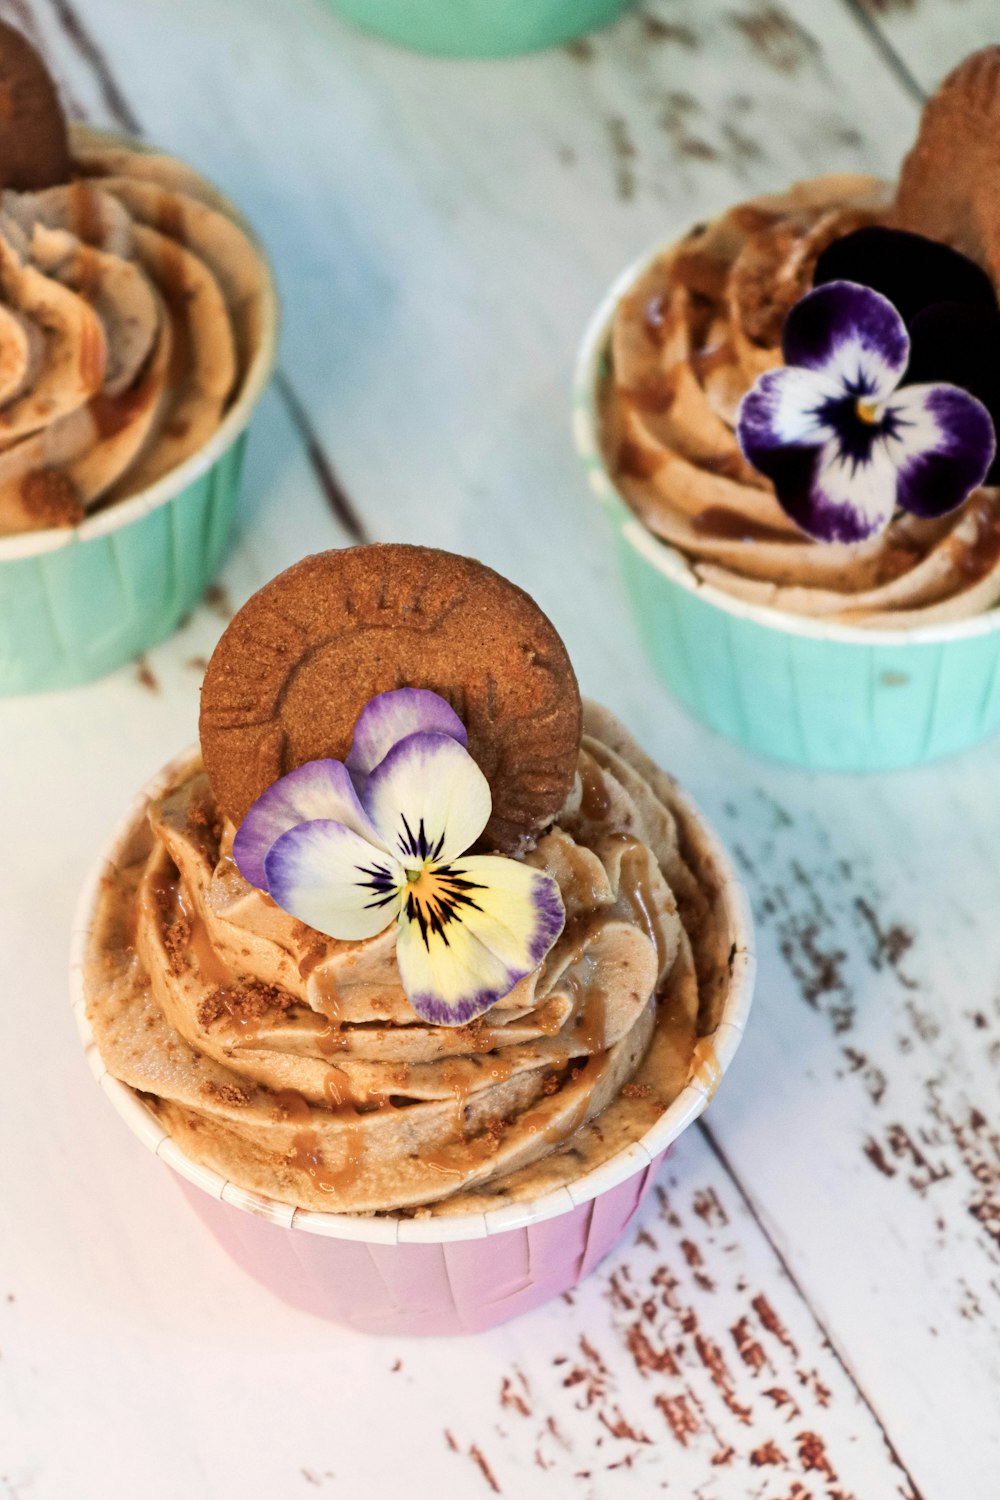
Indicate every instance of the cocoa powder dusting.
{"type": "Point", "coordinates": [637, 1091]}
{"type": "Point", "coordinates": [177, 942]}
{"type": "Point", "coordinates": [245, 1001]}
{"type": "Point", "coordinates": [226, 1093]}
{"type": "Point", "coordinates": [50, 499]}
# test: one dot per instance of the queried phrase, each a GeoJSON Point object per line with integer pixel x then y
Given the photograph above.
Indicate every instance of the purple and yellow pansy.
{"type": "Point", "coordinates": [873, 411]}
{"type": "Point", "coordinates": [352, 847]}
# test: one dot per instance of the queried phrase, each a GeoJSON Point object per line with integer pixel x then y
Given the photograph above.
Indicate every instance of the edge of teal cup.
{"type": "Point", "coordinates": [813, 693]}
{"type": "Point", "coordinates": [75, 603]}
{"type": "Point", "coordinates": [479, 28]}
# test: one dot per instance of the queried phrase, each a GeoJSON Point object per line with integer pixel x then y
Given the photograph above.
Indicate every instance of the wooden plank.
{"type": "Point", "coordinates": [688, 1366]}
{"type": "Point", "coordinates": [877, 1033]}
{"type": "Point", "coordinates": [441, 233]}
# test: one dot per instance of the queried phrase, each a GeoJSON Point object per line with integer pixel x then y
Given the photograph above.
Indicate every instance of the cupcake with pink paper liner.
{"type": "Point", "coordinates": [791, 416]}
{"type": "Point", "coordinates": [418, 966]}
{"type": "Point", "coordinates": [137, 332]}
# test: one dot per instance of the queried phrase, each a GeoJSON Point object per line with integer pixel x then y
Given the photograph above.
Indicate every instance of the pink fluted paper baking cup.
{"type": "Point", "coordinates": [392, 1274]}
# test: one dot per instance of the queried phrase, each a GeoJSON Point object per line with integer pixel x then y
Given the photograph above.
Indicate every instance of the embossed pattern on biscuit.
{"type": "Point", "coordinates": [298, 663]}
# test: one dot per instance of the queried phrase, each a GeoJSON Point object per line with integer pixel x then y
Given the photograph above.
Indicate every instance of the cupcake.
{"type": "Point", "coordinates": [481, 28]}
{"type": "Point", "coordinates": [418, 958]}
{"type": "Point", "coordinates": [791, 414]}
{"type": "Point", "coordinates": [137, 328]}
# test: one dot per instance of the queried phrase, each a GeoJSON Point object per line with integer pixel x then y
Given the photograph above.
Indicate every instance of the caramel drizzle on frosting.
{"type": "Point", "coordinates": [310, 1079]}
{"type": "Point", "coordinates": [689, 339]}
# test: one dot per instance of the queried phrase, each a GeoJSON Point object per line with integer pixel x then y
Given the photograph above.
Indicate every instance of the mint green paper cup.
{"type": "Point", "coordinates": [480, 28]}
{"type": "Point", "coordinates": [77, 602]}
{"type": "Point", "coordinates": [820, 695]}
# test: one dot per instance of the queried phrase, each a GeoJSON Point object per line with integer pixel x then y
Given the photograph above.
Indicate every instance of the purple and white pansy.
{"type": "Point", "coordinates": [842, 441]}
{"type": "Point", "coordinates": [353, 847]}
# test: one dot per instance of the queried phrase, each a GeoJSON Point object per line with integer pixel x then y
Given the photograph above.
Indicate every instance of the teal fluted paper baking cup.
{"type": "Point", "coordinates": [817, 694]}
{"type": "Point", "coordinates": [480, 28]}
{"type": "Point", "coordinates": [77, 602]}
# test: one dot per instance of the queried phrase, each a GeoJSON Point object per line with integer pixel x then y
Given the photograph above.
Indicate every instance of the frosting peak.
{"type": "Point", "coordinates": [690, 338]}
{"type": "Point", "coordinates": [294, 1064]}
{"type": "Point", "coordinates": [130, 309]}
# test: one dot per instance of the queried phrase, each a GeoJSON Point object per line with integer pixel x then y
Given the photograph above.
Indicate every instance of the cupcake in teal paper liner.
{"type": "Point", "coordinates": [480, 28]}
{"type": "Point", "coordinates": [137, 330]}
{"type": "Point", "coordinates": [791, 415]}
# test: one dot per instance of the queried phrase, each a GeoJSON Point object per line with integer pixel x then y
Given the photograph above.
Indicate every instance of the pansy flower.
{"type": "Point", "coordinates": [352, 847]}
{"type": "Point", "coordinates": [946, 300]}
{"type": "Point", "coordinates": [842, 441]}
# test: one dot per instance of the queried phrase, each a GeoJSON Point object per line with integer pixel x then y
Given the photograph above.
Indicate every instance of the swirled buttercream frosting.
{"type": "Point", "coordinates": [131, 308]}
{"type": "Point", "coordinates": [689, 338]}
{"type": "Point", "coordinates": [293, 1064]}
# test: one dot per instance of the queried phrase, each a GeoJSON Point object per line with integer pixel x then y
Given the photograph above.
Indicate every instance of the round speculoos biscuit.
{"type": "Point", "coordinates": [300, 660]}
{"type": "Point", "coordinates": [34, 149]}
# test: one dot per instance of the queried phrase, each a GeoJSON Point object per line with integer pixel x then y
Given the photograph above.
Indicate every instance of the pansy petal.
{"type": "Point", "coordinates": [953, 344]}
{"type": "Point", "coordinates": [334, 880]}
{"type": "Point", "coordinates": [450, 984]}
{"type": "Point", "coordinates": [318, 789]}
{"type": "Point", "coordinates": [427, 798]}
{"type": "Point", "coordinates": [911, 270]}
{"type": "Point", "coordinates": [472, 932]}
{"type": "Point", "coordinates": [941, 441]}
{"type": "Point", "coordinates": [833, 495]}
{"type": "Point", "coordinates": [391, 717]}
{"type": "Point", "coordinates": [852, 335]}
{"type": "Point", "coordinates": [785, 408]}
{"type": "Point", "coordinates": [516, 911]}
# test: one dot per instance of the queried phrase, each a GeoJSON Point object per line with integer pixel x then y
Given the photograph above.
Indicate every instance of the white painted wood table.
{"type": "Point", "coordinates": [811, 1306]}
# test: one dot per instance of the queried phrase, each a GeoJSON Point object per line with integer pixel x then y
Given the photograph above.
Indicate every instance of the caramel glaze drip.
{"type": "Point", "coordinates": [89, 266]}
{"type": "Point", "coordinates": [174, 287]}
{"type": "Point", "coordinates": [325, 985]}
{"type": "Point", "coordinates": [306, 1156]}
{"type": "Point", "coordinates": [635, 889]}
{"type": "Point", "coordinates": [567, 1077]}
{"type": "Point", "coordinates": [85, 210]}
{"type": "Point", "coordinates": [112, 414]}
{"type": "Point", "coordinates": [200, 945]}
{"type": "Point", "coordinates": [595, 799]}
{"type": "Point", "coordinates": [554, 1132]}
{"type": "Point", "coordinates": [170, 218]}
{"type": "Point", "coordinates": [331, 1039]}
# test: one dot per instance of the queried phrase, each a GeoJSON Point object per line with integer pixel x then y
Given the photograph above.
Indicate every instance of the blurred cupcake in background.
{"type": "Point", "coordinates": [480, 28]}
{"type": "Point", "coordinates": [137, 330]}
{"type": "Point", "coordinates": [791, 415]}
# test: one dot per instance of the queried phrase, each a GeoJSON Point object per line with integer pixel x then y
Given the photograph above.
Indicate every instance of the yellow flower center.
{"type": "Point", "coordinates": [423, 882]}
{"type": "Point", "coordinates": [868, 412]}
{"type": "Point", "coordinates": [434, 896]}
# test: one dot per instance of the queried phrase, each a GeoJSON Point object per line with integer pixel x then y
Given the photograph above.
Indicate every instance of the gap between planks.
{"type": "Point", "coordinates": [825, 1334]}
{"type": "Point", "coordinates": [864, 13]}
